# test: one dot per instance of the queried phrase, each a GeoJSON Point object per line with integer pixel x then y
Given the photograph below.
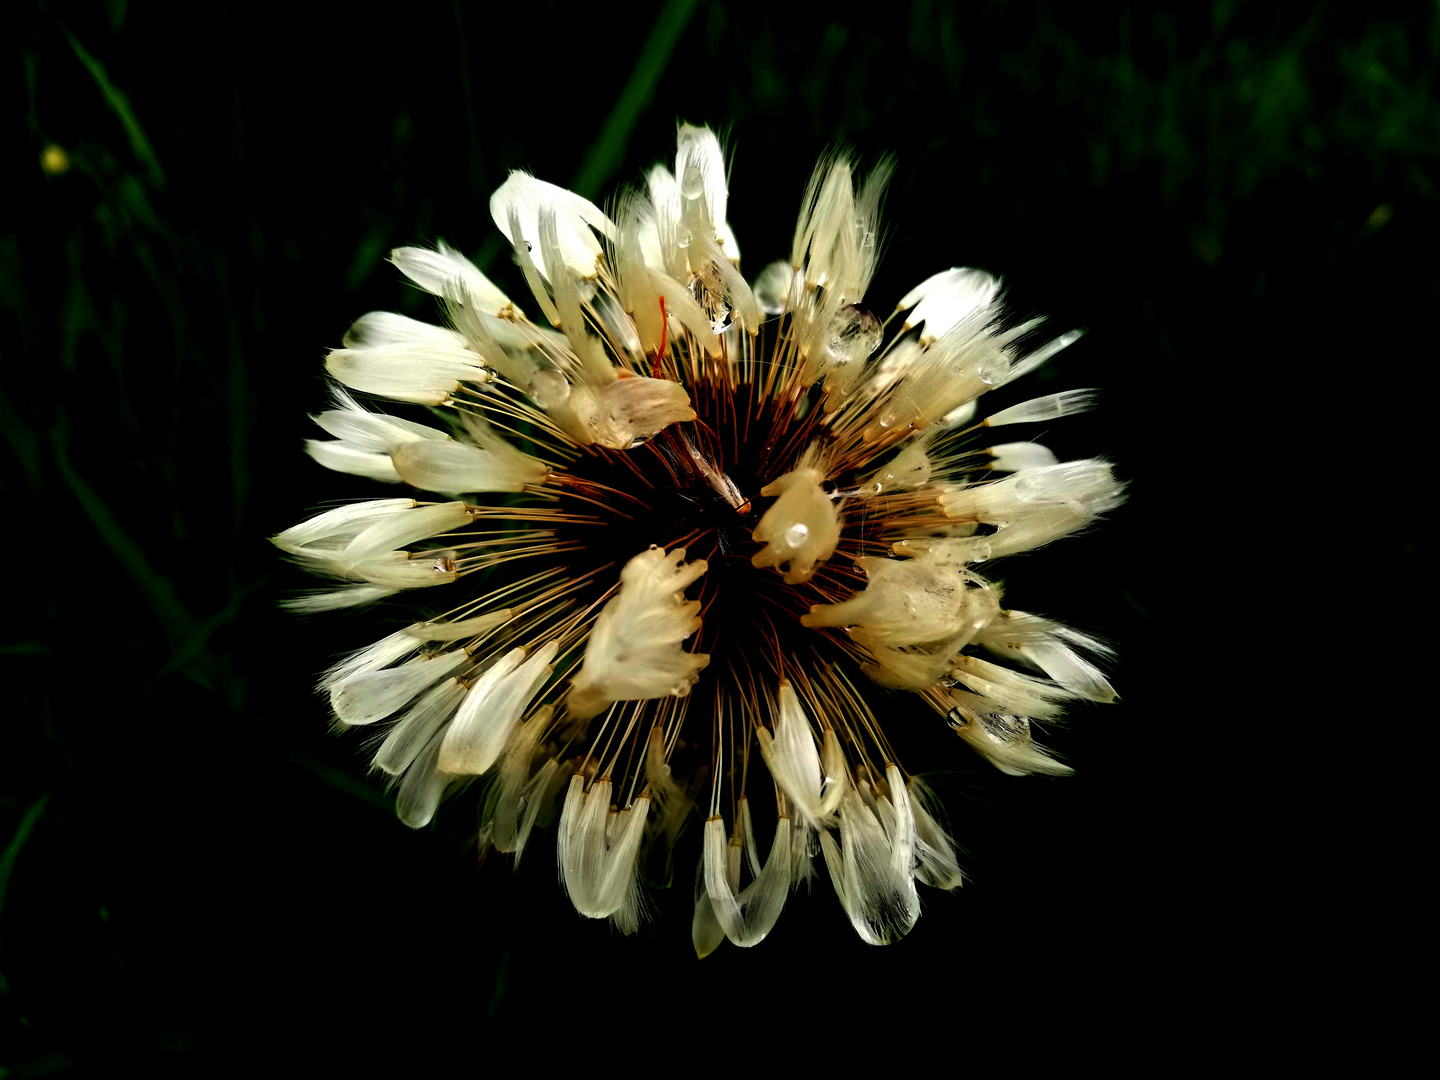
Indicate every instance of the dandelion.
{"type": "Point", "coordinates": [688, 538]}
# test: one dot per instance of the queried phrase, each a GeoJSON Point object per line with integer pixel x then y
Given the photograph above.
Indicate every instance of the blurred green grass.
{"type": "Point", "coordinates": [1228, 195]}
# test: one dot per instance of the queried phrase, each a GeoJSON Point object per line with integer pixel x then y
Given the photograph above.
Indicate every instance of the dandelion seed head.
{"type": "Point", "coordinates": [682, 536]}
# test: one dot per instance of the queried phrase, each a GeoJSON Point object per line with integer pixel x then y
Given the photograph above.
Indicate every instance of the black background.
{"type": "Point", "coordinates": [1236, 200]}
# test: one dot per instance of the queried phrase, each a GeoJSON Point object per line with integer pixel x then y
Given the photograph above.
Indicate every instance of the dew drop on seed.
{"type": "Point", "coordinates": [1029, 489]}
{"type": "Point", "coordinates": [693, 185]}
{"type": "Point", "coordinates": [796, 535]}
{"type": "Point", "coordinates": [993, 371]}
{"type": "Point", "coordinates": [771, 287]}
{"type": "Point", "coordinates": [549, 388]}
{"type": "Point", "coordinates": [853, 334]}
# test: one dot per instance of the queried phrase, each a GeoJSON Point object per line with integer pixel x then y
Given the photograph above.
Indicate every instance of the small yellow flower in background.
{"type": "Point", "coordinates": [54, 161]}
{"type": "Point", "coordinates": [678, 528]}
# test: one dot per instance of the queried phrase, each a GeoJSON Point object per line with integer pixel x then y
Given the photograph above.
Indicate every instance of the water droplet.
{"type": "Point", "coordinates": [1029, 489]}
{"type": "Point", "coordinates": [549, 388]}
{"type": "Point", "coordinates": [796, 535]}
{"type": "Point", "coordinates": [693, 184]}
{"type": "Point", "coordinates": [994, 370]}
{"type": "Point", "coordinates": [853, 334]}
{"type": "Point", "coordinates": [773, 286]}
